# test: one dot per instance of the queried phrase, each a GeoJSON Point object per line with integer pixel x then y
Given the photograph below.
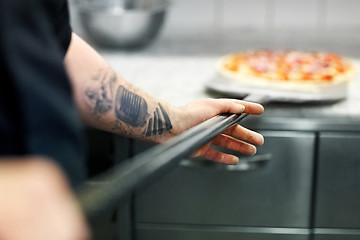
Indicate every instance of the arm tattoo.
{"type": "Point", "coordinates": [102, 97]}
{"type": "Point", "coordinates": [133, 110]}
{"type": "Point", "coordinates": [160, 125]}
{"type": "Point", "coordinates": [102, 102]}
{"type": "Point", "coordinates": [130, 107]}
{"type": "Point", "coordinates": [166, 118]}
{"type": "Point", "coordinates": [157, 122]}
{"type": "Point", "coordinates": [148, 131]}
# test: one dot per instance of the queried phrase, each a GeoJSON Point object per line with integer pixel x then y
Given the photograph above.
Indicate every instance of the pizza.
{"type": "Point", "coordinates": [287, 69]}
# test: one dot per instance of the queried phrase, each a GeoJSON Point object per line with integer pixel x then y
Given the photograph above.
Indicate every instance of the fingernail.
{"type": "Point", "coordinates": [235, 160]}
{"type": "Point", "coordinates": [254, 150]}
{"type": "Point", "coordinates": [242, 107]}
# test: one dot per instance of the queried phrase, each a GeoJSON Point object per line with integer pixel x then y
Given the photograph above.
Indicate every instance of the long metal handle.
{"type": "Point", "coordinates": [121, 180]}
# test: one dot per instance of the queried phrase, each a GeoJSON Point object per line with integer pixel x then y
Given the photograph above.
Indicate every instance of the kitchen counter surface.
{"type": "Point", "coordinates": [177, 71]}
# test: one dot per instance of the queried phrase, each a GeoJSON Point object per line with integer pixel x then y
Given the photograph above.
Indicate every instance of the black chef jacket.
{"type": "Point", "coordinates": [37, 113]}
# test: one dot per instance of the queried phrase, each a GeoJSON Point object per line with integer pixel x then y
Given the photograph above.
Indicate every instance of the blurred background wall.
{"type": "Point", "coordinates": [241, 16]}
{"type": "Point", "coordinates": [307, 24]}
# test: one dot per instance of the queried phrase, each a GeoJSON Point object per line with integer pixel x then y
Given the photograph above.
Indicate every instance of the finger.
{"type": "Point", "coordinates": [236, 106]}
{"type": "Point", "coordinates": [227, 105]}
{"type": "Point", "coordinates": [251, 108]}
{"type": "Point", "coordinates": [245, 135]}
{"type": "Point", "coordinates": [217, 156]}
{"type": "Point", "coordinates": [234, 144]}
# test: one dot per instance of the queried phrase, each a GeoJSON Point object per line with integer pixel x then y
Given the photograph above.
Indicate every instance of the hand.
{"type": "Point", "coordinates": [36, 202]}
{"type": "Point", "coordinates": [235, 138]}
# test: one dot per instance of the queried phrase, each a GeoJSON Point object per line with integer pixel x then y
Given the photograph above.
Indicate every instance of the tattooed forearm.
{"type": "Point", "coordinates": [130, 108]}
{"type": "Point", "coordinates": [134, 114]}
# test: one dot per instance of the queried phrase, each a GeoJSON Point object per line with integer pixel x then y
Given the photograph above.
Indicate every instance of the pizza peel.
{"type": "Point", "coordinates": [271, 93]}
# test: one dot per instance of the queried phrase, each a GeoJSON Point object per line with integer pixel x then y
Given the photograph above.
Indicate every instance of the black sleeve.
{"type": "Point", "coordinates": [38, 95]}
{"type": "Point", "coordinates": [61, 22]}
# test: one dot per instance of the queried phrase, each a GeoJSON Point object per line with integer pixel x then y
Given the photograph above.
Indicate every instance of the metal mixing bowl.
{"type": "Point", "coordinates": [122, 23]}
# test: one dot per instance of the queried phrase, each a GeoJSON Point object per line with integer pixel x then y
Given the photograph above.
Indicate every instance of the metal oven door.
{"type": "Point", "coordinates": [274, 195]}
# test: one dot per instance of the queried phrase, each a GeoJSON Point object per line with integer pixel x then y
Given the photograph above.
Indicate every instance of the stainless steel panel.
{"type": "Point", "coordinates": [338, 181]}
{"type": "Point", "coordinates": [104, 226]}
{"type": "Point", "coordinates": [123, 224]}
{"type": "Point", "coordinates": [275, 195]}
{"type": "Point", "coordinates": [336, 237]}
{"type": "Point", "coordinates": [336, 234]}
{"type": "Point", "coordinates": [166, 232]}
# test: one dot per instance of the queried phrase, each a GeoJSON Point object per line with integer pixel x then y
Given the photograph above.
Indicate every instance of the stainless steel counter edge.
{"type": "Point", "coordinates": [213, 228]}
{"type": "Point", "coordinates": [303, 124]}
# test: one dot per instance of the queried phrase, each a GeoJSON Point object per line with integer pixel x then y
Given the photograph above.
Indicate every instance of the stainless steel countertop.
{"type": "Point", "coordinates": [177, 70]}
